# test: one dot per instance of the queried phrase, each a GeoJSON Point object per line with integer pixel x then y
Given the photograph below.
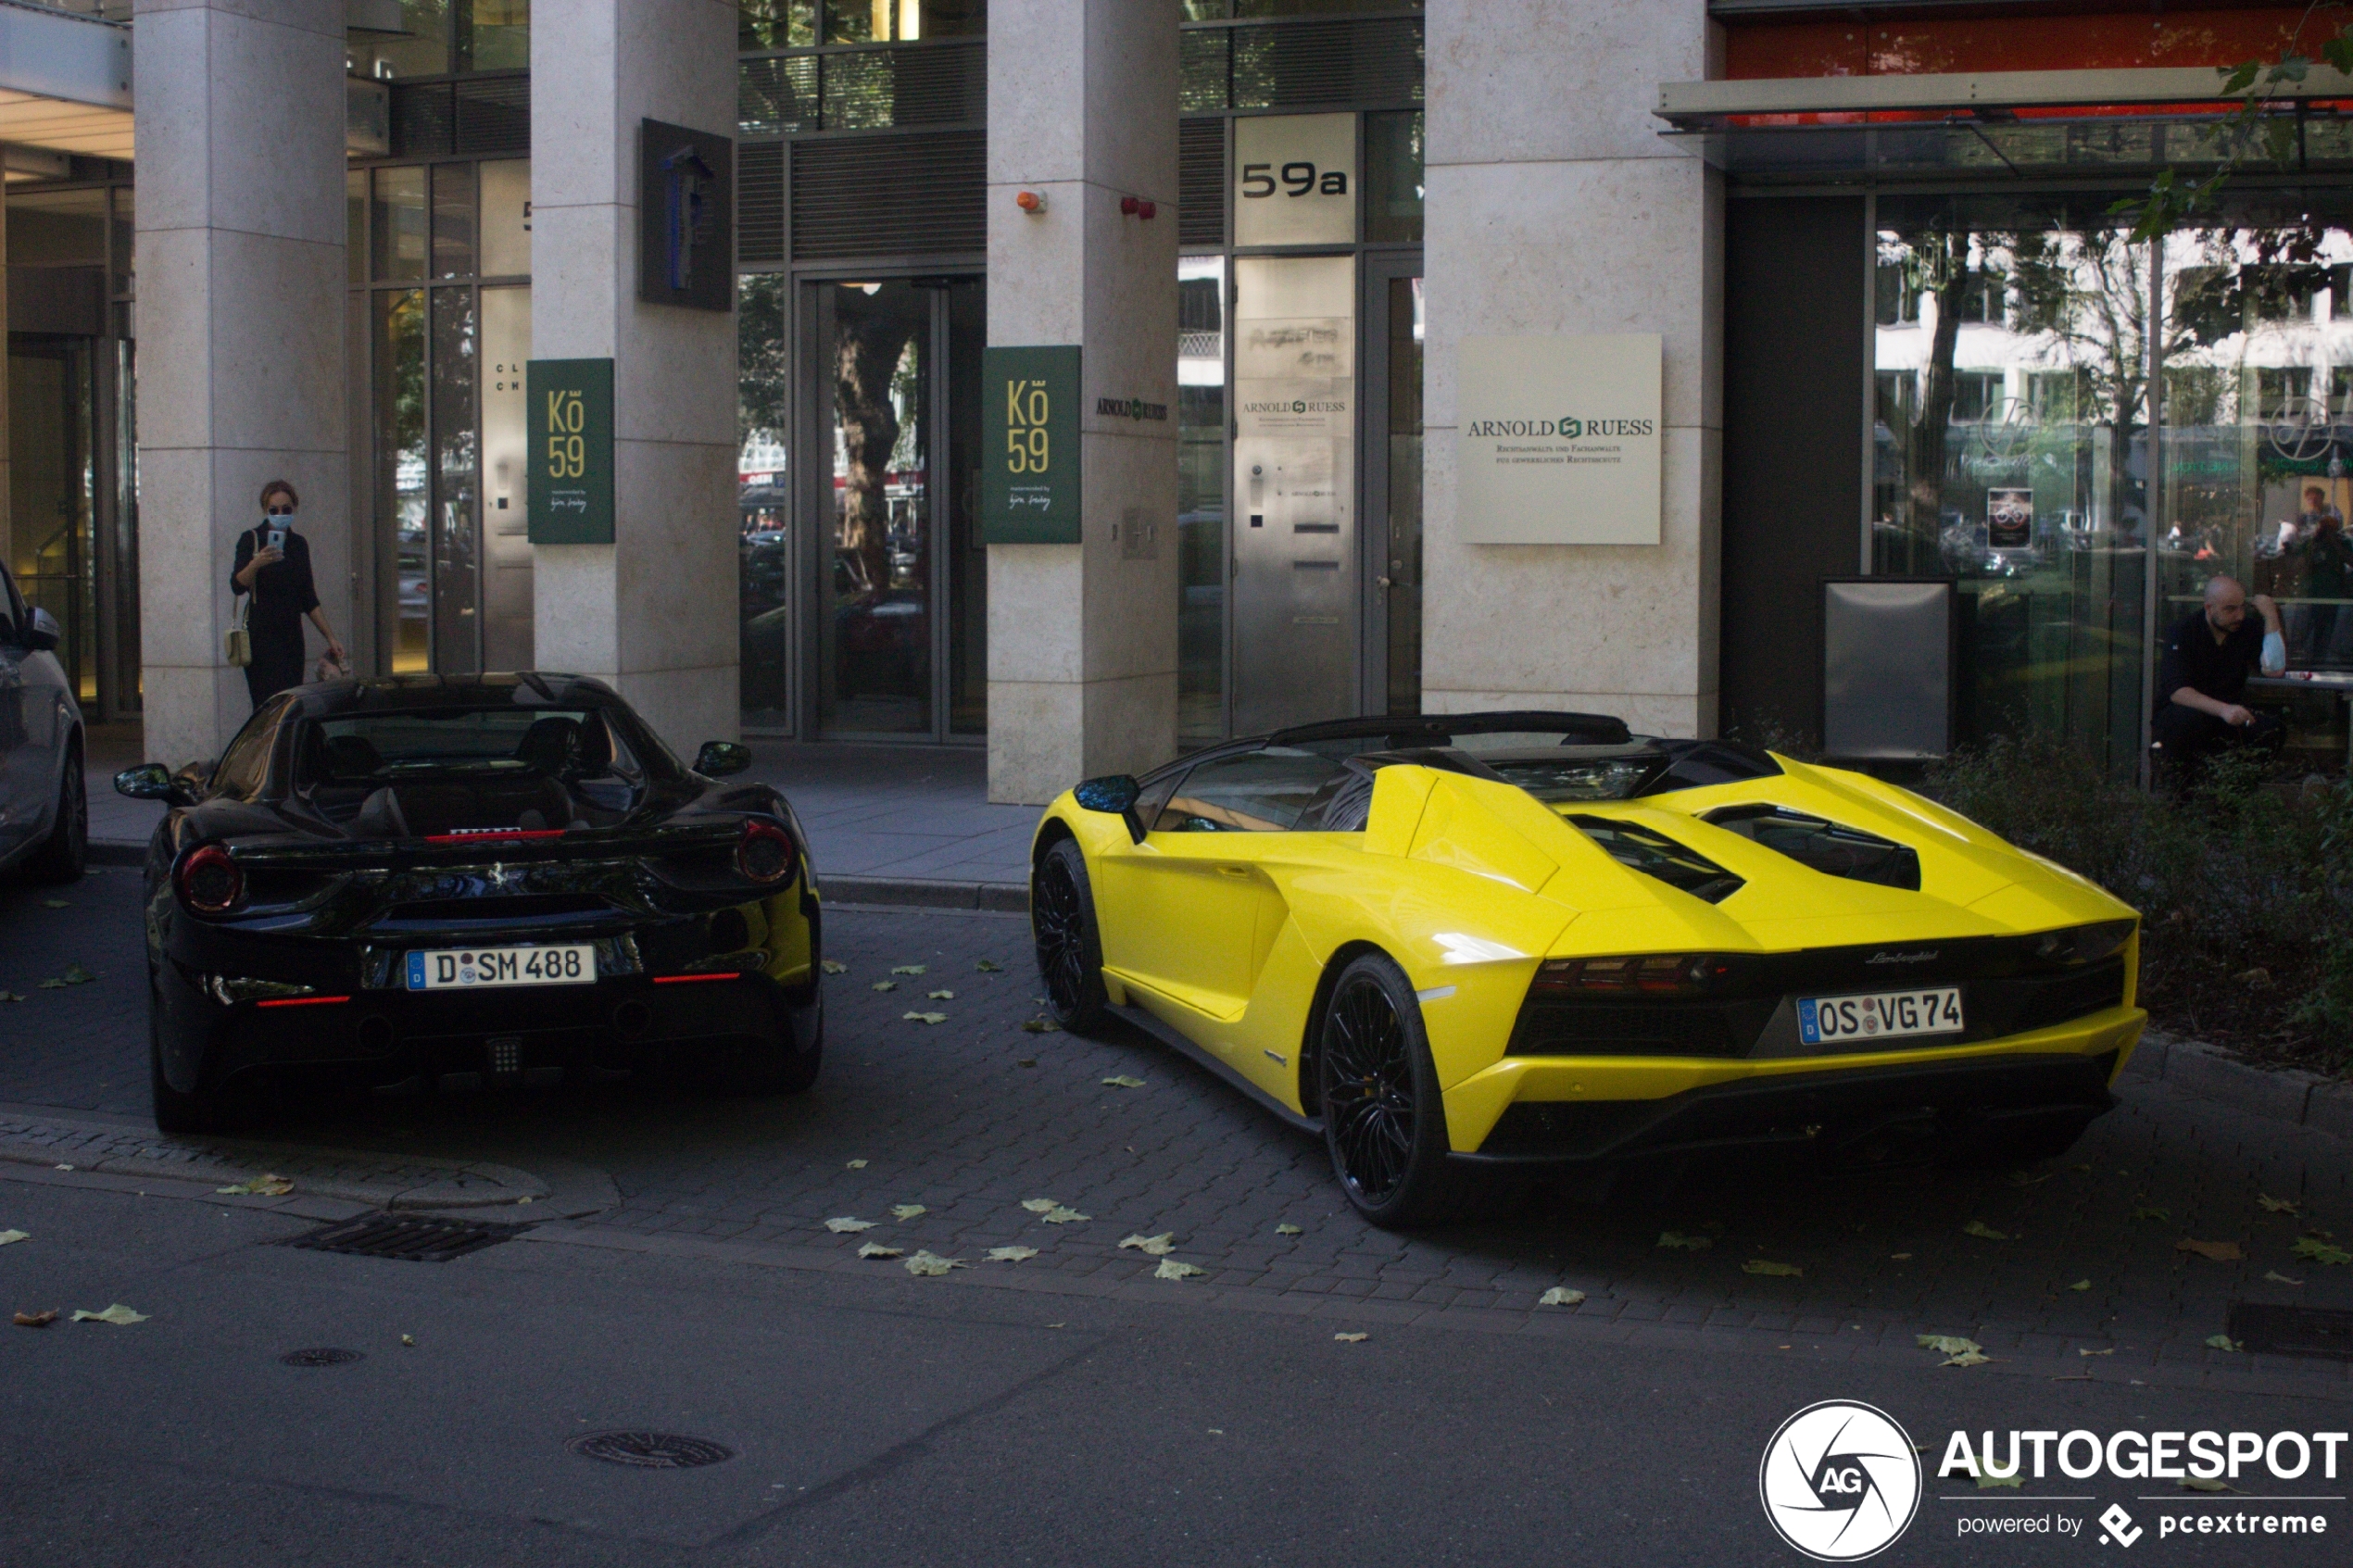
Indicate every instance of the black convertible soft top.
{"type": "Point", "coordinates": [1437, 729]}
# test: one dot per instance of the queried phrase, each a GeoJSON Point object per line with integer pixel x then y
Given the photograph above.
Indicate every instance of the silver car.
{"type": "Point", "coordinates": [44, 810]}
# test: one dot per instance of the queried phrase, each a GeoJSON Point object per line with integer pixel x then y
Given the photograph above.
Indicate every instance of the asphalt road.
{"type": "Point", "coordinates": [1068, 1408]}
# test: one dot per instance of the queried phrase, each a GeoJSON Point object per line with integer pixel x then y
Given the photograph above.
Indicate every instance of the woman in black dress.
{"type": "Point", "coordinates": [279, 579]}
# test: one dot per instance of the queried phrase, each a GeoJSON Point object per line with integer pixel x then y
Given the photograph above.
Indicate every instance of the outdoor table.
{"type": "Point", "coordinates": [2338, 684]}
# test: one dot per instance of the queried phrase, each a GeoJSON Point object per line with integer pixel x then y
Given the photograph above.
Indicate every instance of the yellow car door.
{"type": "Point", "coordinates": [1186, 913]}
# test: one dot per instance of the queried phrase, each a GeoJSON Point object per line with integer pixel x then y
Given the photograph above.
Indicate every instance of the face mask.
{"type": "Point", "coordinates": [278, 519]}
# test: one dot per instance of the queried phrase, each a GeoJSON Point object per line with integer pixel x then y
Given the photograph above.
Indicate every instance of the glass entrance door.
{"type": "Point", "coordinates": [898, 646]}
{"type": "Point", "coordinates": [1392, 681]}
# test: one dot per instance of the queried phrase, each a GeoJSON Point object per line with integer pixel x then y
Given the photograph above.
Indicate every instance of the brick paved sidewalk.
{"type": "Point", "coordinates": [970, 1117]}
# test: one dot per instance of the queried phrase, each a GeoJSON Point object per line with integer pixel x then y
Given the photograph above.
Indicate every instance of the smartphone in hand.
{"type": "Point", "coordinates": [276, 539]}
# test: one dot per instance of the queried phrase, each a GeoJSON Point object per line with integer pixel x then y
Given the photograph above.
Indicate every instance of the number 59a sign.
{"type": "Point", "coordinates": [1030, 446]}
{"type": "Point", "coordinates": [570, 495]}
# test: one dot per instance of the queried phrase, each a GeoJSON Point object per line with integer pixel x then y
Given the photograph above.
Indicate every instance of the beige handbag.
{"type": "Point", "coordinates": [236, 643]}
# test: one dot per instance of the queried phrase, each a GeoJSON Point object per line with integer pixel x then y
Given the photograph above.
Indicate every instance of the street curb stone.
{"type": "Point", "coordinates": [2210, 1073]}
{"type": "Point", "coordinates": [1001, 898]}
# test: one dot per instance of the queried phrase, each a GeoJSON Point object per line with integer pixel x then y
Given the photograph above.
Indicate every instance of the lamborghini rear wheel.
{"type": "Point", "coordinates": [1070, 947]}
{"type": "Point", "coordinates": [1384, 1119]}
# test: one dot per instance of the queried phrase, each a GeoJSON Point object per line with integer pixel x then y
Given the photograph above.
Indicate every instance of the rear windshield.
{"type": "Point", "coordinates": [573, 744]}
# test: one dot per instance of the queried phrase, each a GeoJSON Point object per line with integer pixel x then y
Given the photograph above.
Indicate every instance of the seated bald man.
{"type": "Point", "coordinates": [2207, 657]}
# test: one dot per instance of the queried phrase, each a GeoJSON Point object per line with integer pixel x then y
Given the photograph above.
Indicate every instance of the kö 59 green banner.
{"type": "Point", "coordinates": [571, 451]}
{"type": "Point", "coordinates": [1030, 446]}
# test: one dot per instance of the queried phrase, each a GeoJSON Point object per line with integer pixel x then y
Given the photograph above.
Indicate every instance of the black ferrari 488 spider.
{"type": "Point", "coordinates": [427, 884]}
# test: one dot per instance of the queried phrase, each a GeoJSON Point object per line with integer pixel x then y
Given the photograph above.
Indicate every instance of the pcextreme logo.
{"type": "Point", "coordinates": [1840, 1481]}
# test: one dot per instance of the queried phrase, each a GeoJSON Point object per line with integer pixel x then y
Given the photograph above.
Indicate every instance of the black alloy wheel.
{"type": "Point", "coordinates": [175, 1112]}
{"type": "Point", "coordinates": [64, 854]}
{"type": "Point", "coordinates": [1070, 948]}
{"type": "Point", "coordinates": [1384, 1119]}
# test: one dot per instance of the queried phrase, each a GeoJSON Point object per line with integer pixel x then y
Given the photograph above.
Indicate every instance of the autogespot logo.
{"type": "Point", "coordinates": [1840, 1481]}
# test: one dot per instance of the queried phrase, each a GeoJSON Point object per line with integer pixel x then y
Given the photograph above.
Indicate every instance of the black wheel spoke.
{"type": "Point", "coordinates": [1368, 1100]}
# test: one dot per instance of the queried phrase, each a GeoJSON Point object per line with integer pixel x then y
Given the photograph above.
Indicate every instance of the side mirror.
{"type": "Point", "coordinates": [718, 758]}
{"type": "Point", "coordinates": [1115, 793]}
{"type": "Point", "coordinates": [153, 781]}
{"type": "Point", "coordinates": [43, 634]}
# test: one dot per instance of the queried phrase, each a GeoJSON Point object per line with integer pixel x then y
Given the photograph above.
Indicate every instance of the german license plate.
{"type": "Point", "coordinates": [1880, 1015]}
{"type": "Point", "coordinates": [475, 969]}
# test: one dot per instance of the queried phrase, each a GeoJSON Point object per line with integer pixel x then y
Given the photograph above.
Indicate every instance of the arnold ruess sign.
{"type": "Point", "coordinates": [1559, 439]}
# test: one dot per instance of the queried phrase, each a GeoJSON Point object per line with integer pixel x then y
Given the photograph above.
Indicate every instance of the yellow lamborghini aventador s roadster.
{"type": "Point", "coordinates": [1483, 940]}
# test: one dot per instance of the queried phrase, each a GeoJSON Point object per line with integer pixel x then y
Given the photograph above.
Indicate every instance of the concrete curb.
{"type": "Point", "coordinates": [2209, 1073]}
{"type": "Point", "coordinates": [997, 897]}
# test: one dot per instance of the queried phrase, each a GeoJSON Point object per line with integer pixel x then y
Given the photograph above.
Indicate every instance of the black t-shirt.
{"type": "Point", "coordinates": [2195, 660]}
{"type": "Point", "coordinates": [283, 593]}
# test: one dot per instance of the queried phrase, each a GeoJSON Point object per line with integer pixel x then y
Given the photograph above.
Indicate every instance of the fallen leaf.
{"type": "Point", "coordinates": [929, 1017]}
{"type": "Point", "coordinates": [1352, 1338]}
{"type": "Point", "coordinates": [267, 1184]}
{"type": "Point", "coordinates": [929, 1264]}
{"type": "Point", "coordinates": [1159, 1246]}
{"type": "Point", "coordinates": [8, 1237]}
{"type": "Point", "coordinates": [117, 1315]}
{"type": "Point", "coordinates": [1042, 1026]}
{"type": "Point", "coordinates": [1689, 1243]}
{"type": "Point", "coordinates": [834, 966]}
{"type": "Point", "coordinates": [2319, 1251]}
{"type": "Point", "coordinates": [1171, 1269]}
{"type": "Point", "coordinates": [1966, 1358]}
{"type": "Point", "coordinates": [2080, 1284]}
{"type": "Point", "coordinates": [2253, 979]}
{"type": "Point", "coordinates": [9, 996]}
{"type": "Point", "coordinates": [77, 975]}
{"type": "Point", "coordinates": [1988, 1479]}
{"type": "Point", "coordinates": [65, 1167]}
{"type": "Point", "coordinates": [1560, 1295]}
{"type": "Point", "coordinates": [1287, 1229]}
{"type": "Point", "coordinates": [844, 1225]}
{"type": "Point", "coordinates": [907, 968]}
{"type": "Point", "coordinates": [526, 1197]}
{"type": "Point", "coordinates": [2086, 1168]}
{"type": "Point", "coordinates": [855, 1165]}
{"type": "Point", "coordinates": [2223, 1342]}
{"type": "Point", "coordinates": [1946, 1343]}
{"type": "Point", "coordinates": [886, 985]}
{"type": "Point", "coordinates": [1040, 1205]}
{"type": "Point", "coordinates": [2028, 1179]}
{"type": "Point", "coordinates": [1061, 1215]}
{"type": "Point", "coordinates": [943, 996]}
{"type": "Point", "coordinates": [1024, 1061]}
{"type": "Point", "coordinates": [1011, 1254]}
{"type": "Point", "coordinates": [2274, 1205]}
{"type": "Point", "coordinates": [2278, 1278]}
{"type": "Point", "coordinates": [36, 1319]}
{"type": "Point", "coordinates": [876, 1250]}
{"type": "Point", "coordinates": [55, 904]}
{"type": "Point", "coordinates": [1901, 1257]}
{"type": "Point", "coordinates": [2221, 1251]}
{"type": "Point", "coordinates": [1123, 1082]}
{"type": "Point", "coordinates": [905, 1211]}
{"type": "Point", "coordinates": [2206, 1484]}
{"type": "Point", "coordinates": [1979, 1228]}
{"type": "Point", "coordinates": [51, 985]}
{"type": "Point", "coordinates": [2110, 1352]}
{"type": "Point", "coordinates": [1761, 1266]}
{"type": "Point", "coordinates": [988, 966]}
{"type": "Point", "coordinates": [2158, 1214]}
{"type": "Point", "coordinates": [409, 1340]}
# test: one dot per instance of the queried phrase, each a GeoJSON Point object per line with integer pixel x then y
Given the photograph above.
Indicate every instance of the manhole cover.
{"type": "Point", "coordinates": [325, 1355]}
{"type": "Point", "coordinates": [412, 1236]}
{"type": "Point", "coordinates": [650, 1450]}
{"type": "Point", "coordinates": [2293, 1331]}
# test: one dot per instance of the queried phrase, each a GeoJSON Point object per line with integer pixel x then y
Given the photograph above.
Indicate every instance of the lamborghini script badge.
{"type": "Point", "coordinates": [1901, 958]}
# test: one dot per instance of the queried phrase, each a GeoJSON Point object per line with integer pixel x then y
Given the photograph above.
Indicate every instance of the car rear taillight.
{"type": "Point", "coordinates": [765, 853]}
{"type": "Point", "coordinates": [209, 882]}
{"type": "Point", "coordinates": [1683, 974]}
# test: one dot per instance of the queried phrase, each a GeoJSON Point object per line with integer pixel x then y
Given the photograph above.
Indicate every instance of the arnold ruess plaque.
{"type": "Point", "coordinates": [1030, 446]}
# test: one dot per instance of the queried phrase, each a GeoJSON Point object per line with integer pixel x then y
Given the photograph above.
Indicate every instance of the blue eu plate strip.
{"type": "Point", "coordinates": [416, 971]}
{"type": "Point", "coordinates": [1808, 1029]}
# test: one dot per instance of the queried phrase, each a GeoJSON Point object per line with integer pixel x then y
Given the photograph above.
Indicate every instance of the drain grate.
{"type": "Point", "coordinates": [650, 1450]}
{"type": "Point", "coordinates": [413, 1237]}
{"type": "Point", "coordinates": [2293, 1331]}
{"type": "Point", "coordinates": [325, 1355]}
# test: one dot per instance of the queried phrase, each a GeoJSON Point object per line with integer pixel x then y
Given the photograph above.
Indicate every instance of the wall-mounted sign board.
{"type": "Point", "coordinates": [1295, 180]}
{"type": "Point", "coordinates": [1558, 440]}
{"type": "Point", "coordinates": [1030, 446]}
{"type": "Point", "coordinates": [569, 403]}
{"type": "Point", "coordinates": [686, 217]}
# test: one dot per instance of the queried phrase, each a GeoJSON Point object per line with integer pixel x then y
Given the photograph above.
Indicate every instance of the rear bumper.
{"type": "Point", "coordinates": [2055, 1080]}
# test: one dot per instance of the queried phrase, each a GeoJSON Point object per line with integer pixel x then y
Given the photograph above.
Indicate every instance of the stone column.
{"type": "Point", "coordinates": [240, 117]}
{"type": "Point", "coordinates": [7, 473]}
{"type": "Point", "coordinates": [1082, 638]}
{"type": "Point", "coordinates": [654, 612]}
{"type": "Point", "coordinates": [1553, 209]}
